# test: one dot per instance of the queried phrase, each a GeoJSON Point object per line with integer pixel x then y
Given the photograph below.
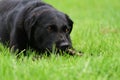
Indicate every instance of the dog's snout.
{"type": "Point", "coordinates": [64, 45]}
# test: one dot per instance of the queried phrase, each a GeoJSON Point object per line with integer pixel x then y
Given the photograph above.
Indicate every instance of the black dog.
{"type": "Point", "coordinates": [35, 24]}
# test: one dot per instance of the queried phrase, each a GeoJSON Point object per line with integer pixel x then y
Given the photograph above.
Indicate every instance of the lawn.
{"type": "Point", "coordinates": [96, 32]}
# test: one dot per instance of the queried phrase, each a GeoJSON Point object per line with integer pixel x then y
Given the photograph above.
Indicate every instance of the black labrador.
{"type": "Point", "coordinates": [34, 24]}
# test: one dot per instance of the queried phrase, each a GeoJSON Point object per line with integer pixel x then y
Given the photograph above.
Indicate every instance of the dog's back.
{"type": "Point", "coordinates": [6, 8]}
{"type": "Point", "coordinates": [7, 5]}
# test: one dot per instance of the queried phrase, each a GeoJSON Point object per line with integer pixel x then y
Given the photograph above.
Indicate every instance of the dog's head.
{"type": "Point", "coordinates": [48, 28]}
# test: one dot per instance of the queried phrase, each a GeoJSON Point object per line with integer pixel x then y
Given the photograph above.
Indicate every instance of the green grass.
{"type": "Point", "coordinates": [96, 31]}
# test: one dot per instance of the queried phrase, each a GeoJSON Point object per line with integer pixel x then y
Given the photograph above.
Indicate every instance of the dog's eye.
{"type": "Point", "coordinates": [49, 28]}
{"type": "Point", "coordinates": [67, 30]}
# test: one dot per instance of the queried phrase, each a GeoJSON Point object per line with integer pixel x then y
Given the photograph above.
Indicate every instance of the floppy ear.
{"type": "Point", "coordinates": [70, 22]}
{"type": "Point", "coordinates": [29, 21]}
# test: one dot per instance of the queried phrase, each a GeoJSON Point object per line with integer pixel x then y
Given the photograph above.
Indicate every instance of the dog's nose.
{"type": "Point", "coordinates": [64, 45]}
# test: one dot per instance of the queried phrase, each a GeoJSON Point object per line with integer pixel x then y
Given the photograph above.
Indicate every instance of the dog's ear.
{"type": "Point", "coordinates": [70, 22]}
{"type": "Point", "coordinates": [30, 24]}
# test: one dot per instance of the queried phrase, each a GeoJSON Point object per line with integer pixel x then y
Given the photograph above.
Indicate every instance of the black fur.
{"type": "Point", "coordinates": [35, 24]}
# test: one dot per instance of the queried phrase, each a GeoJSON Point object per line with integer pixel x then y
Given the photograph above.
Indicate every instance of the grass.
{"type": "Point", "coordinates": [96, 31]}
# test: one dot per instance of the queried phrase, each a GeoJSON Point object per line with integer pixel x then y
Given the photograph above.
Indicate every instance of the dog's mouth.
{"type": "Point", "coordinates": [60, 48]}
{"type": "Point", "coordinates": [53, 50]}
{"type": "Point", "coordinates": [69, 51]}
